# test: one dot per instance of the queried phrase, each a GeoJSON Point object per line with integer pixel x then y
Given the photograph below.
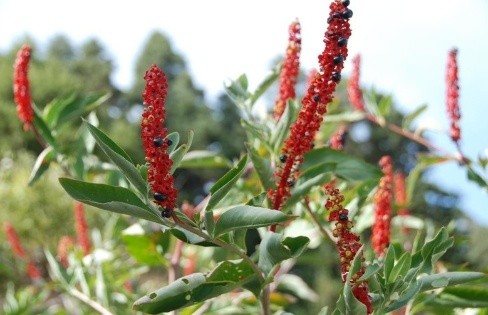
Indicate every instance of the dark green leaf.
{"type": "Point", "coordinates": [42, 164]}
{"type": "Point", "coordinates": [204, 159]}
{"type": "Point", "coordinates": [400, 268]}
{"type": "Point", "coordinates": [246, 217]}
{"type": "Point", "coordinates": [408, 119]}
{"type": "Point", "coordinates": [476, 178]}
{"type": "Point", "coordinates": [44, 131]}
{"type": "Point", "coordinates": [273, 250]}
{"type": "Point", "coordinates": [265, 85]}
{"type": "Point", "coordinates": [119, 157]}
{"type": "Point", "coordinates": [225, 184]}
{"type": "Point", "coordinates": [196, 288]}
{"type": "Point", "coordinates": [190, 238]}
{"type": "Point", "coordinates": [263, 168]}
{"type": "Point", "coordinates": [115, 199]}
{"type": "Point", "coordinates": [444, 279]}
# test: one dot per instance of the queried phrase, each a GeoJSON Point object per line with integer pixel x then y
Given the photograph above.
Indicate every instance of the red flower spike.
{"type": "Point", "coordinates": [452, 104]}
{"type": "Point", "coordinates": [381, 227]}
{"type": "Point", "coordinates": [348, 243]}
{"type": "Point", "coordinates": [354, 92]}
{"type": "Point", "coordinates": [13, 240]}
{"type": "Point", "coordinates": [400, 193]}
{"type": "Point", "coordinates": [315, 101]}
{"type": "Point", "coordinates": [152, 131]}
{"type": "Point", "coordinates": [22, 95]}
{"type": "Point", "coordinates": [338, 139]}
{"type": "Point", "coordinates": [290, 70]}
{"type": "Point", "coordinates": [64, 245]}
{"type": "Point", "coordinates": [81, 228]}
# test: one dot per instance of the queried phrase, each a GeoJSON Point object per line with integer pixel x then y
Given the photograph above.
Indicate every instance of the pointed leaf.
{"type": "Point", "coordinates": [178, 154]}
{"type": "Point", "coordinates": [204, 159]}
{"type": "Point", "coordinates": [42, 164]}
{"type": "Point", "coordinates": [444, 279]}
{"type": "Point", "coordinates": [263, 168]}
{"type": "Point", "coordinates": [401, 267]}
{"type": "Point", "coordinates": [44, 131]}
{"type": "Point", "coordinates": [112, 198]}
{"type": "Point", "coordinates": [265, 84]}
{"type": "Point", "coordinates": [282, 128]}
{"type": "Point", "coordinates": [119, 157]}
{"type": "Point", "coordinates": [273, 250]}
{"type": "Point", "coordinates": [408, 119]}
{"type": "Point", "coordinates": [246, 217]}
{"type": "Point", "coordinates": [190, 238]}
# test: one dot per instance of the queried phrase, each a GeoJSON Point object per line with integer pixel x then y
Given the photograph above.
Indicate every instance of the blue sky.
{"type": "Point", "coordinates": [403, 44]}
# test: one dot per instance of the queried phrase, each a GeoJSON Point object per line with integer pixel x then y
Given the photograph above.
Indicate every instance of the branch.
{"type": "Point", "coordinates": [85, 299]}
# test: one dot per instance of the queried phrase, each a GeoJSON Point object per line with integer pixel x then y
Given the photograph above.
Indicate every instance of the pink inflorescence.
{"type": "Point", "coordinates": [14, 241]}
{"type": "Point", "coordinates": [314, 104]}
{"type": "Point", "coordinates": [380, 238]}
{"type": "Point", "coordinates": [338, 138]}
{"type": "Point", "coordinates": [348, 243]}
{"type": "Point", "coordinates": [400, 193]}
{"type": "Point", "coordinates": [452, 104]}
{"type": "Point", "coordinates": [22, 94]}
{"type": "Point", "coordinates": [290, 70]}
{"type": "Point", "coordinates": [81, 228]}
{"type": "Point", "coordinates": [354, 92]}
{"type": "Point", "coordinates": [154, 140]}
{"type": "Point", "coordinates": [64, 245]}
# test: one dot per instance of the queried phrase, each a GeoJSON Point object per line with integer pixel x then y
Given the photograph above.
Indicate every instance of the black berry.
{"type": "Point", "coordinates": [159, 196]}
{"type": "Point", "coordinates": [342, 41]}
{"type": "Point", "coordinates": [338, 59]}
{"type": "Point", "coordinates": [316, 98]}
{"type": "Point", "coordinates": [169, 142]}
{"type": "Point", "coordinates": [336, 76]}
{"type": "Point", "coordinates": [290, 183]}
{"type": "Point", "coordinates": [346, 14]}
{"type": "Point", "coordinates": [158, 142]}
{"type": "Point", "coordinates": [346, 2]}
{"type": "Point", "coordinates": [283, 158]}
{"type": "Point", "coordinates": [166, 213]}
{"type": "Point", "coordinates": [343, 216]}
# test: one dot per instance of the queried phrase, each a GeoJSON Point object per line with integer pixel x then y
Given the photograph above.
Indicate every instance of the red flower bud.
{"type": "Point", "coordinates": [22, 94]}
{"type": "Point", "coordinates": [452, 103]}
{"type": "Point", "coordinates": [353, 89]}
{"type": "Point", "coordinates": [382, 214]}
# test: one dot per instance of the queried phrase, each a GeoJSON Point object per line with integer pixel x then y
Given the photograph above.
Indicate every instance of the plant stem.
{"type": "Point", "coordinates": [265, 300]}
{"type": "Point", "coordinates": [85, 299]}
{"type": "Point", "coordinates": [226, 246]}
{"type": "Point", "coordinates": [175, 260]}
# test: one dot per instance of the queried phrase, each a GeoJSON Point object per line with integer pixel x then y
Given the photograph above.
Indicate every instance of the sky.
{"type": "Point", "coordinates": [403, 45]}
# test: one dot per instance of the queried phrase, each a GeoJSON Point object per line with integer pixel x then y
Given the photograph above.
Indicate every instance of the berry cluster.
{"type": "Point", "coordinates": [347, 242]}
{"type": "Point", "coordinates": [380, 238]}
{"type": "Point", "coordinates": [354, 92]}
{"type": "Point", "coordinates": [314, 105]}
{"type": "Point", "coordinates": [22, 95]}
{"type": "Point", "coordinates": [290, 70]}
{"type": "Point", "coordinates": [452, 104]}
{"type": "Point", "coordinates": [154, 140]}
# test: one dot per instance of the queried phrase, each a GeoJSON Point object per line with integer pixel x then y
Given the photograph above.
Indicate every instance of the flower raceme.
{"type": "Point", "coordinates": [400, 193]}
{"type": "Point", "coordinates": [81, 228]}
{"type": "Point", "coordinates": [452, 103]}
{"type": "Point", "coordinates": [14, 241]}
{"type": "Point", "coordinates": [347, 243]}
{"type": "Point", "coordinates": [338, 138]}
{"type": "Point", "coordinates": [154, 140]}
{"type": "Point", "coordinates": [354, 92]}
{"type": "Point", "coordinates": [380, 238]}
{"type": "Point", "coordinates": [315, 101]}
{"type": "Point", "coordinates": [22, 95]}
{"type": "Point", "coordinates": [290, 70]}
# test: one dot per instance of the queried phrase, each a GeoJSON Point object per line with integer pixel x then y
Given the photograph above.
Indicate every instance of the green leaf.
{"type": "Point", "coordinates": [144, 248]}
{"type": "Point", "coordinates": [196, 288]}
{"type": "Point", "coordinates": [246, 217]}
{"type": "Point", "coordinates": [204, 159]}
{"type": "Point", "coordinates": [42, 164]}
{"type": "Point", "coordinates": [400, 268]}
{"type": "Point", "coordinates": [303, 187]}
{"type": "Point", "coordinates": [44, 131]}
{"type": "Point", "coordinates": [119, 157]}
{"type": "Point", "coordinates": [345, 117]}
{"type": "Point", "coordinates": [408, 119]}
{"type": "Point", "coordinates": [445, 279]}
{"type": "Point", "coordinates": [190, 238]}
{"type": "Point", "coordinates": [346, 166]}
{"type": "Point", "coordinates": [237, 91]}
{"type": "Point", "coordinates": [115, 199]}
{"type": "Point", "coordinates": [224, 184]}
{"type": "Point", "coordinates": [282, 128]}
{"type": "Point", "coordinates": [371, 270]}
{"type": "Point", "coordinates": [178, 154]}
{"type": "Point", "coordinates": [273, 250]}
{"type": "Point", "coordinates": [405, 297]}
{"type": "Point", "coordinates": [476, 178]}
{"type": "Point", "coordinates": [463, 297]}
{"type": "Point", "coordinates": [263, 168]}
{"type": "Point", "coordinates": [384, 105]}
{"type": "Point", "coordinates": [266, 84]}
{"type": "Point", "coordinates": [175, 140]}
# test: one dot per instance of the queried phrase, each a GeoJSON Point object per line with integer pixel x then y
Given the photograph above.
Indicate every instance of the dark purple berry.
{"type": "Point", "coordinates": [290, 183]}
{"type": "Point", "coordinates": [343, 216]}
{"type": "Point", "coordinates": [159, 196]}
{"type": "Point", "coordinates": [346, 2]}
{"type": "Point", "coordinates": [169, 142]}
{"type": "Point", "coordinates": [338, 59]}
{"type": "Point", "coordinates": [166, 213]}
{"type": "Point", "coordinates": [336, 76]}
{"type": "Point", "coordinates": [316, 98]}
{"type": "Point", "coordinates": [283, 158]}
{"type": "Point", "coordinates": [346, 14]}
{"type": "Point", "coordinates": [342, 41]}
{"type": "Point", "coordinates": [158, 142]}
